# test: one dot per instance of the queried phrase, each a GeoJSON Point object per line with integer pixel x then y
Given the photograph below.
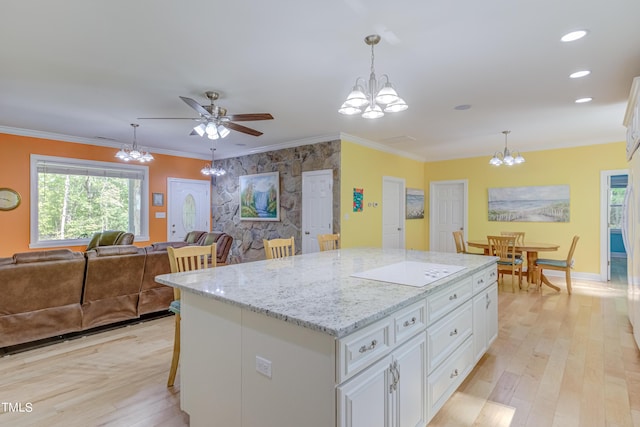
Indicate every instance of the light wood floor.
{"type": "Point", "coordinates": [558, 361]}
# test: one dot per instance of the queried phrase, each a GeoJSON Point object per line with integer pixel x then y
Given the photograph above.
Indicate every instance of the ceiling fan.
{"type": "Point", "coordinates": [214, 121]}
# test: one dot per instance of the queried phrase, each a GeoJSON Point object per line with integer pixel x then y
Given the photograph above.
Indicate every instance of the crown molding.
{"type": "Point", "coordinates": [380, 147]}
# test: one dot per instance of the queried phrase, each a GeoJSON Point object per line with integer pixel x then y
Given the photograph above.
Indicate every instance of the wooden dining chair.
{"type": "Point", "coordinates": [279, 248]}
{"type": "Point", "coordinates": [186, 258]}
{"type": "Point", "coordinates": [504, 247]}
{"type": "Point", "coordinates": [329, 242]}
{"type": "Point", "coordinates": [461, 247]}
{"type": "Point", "coordinates": [559, 264]}
{"type": "Point", "coordinates": [519, 235]}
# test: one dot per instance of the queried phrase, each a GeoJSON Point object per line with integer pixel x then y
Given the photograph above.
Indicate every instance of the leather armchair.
{"type": "Point", "coordinates": [223, 243]}
{"type": "Point", "coordinates": [109, 238]}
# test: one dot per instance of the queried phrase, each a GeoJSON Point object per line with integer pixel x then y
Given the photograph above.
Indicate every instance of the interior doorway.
{"type": "Point", "coordinates": [447, 213]}
{"type": "Point", "coordinates": [393, 212]}
{"type": "Point", "coordinates": [613, 255]}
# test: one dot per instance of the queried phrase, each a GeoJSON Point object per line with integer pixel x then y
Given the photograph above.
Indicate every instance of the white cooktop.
{"type": "Point", "coordinates": [410, 273]}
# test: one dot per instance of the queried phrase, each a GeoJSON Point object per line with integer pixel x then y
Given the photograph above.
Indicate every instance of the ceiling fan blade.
{"type": "Point", "coordinates": [243, 129]}
{"type": "Point", "coordinates": [250, 117]}
{"type": "Point", "coordinates": [193, 104]}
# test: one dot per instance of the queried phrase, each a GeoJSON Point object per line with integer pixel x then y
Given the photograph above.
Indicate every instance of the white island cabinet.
{"type": "Point", "coordinates": [300, 341]}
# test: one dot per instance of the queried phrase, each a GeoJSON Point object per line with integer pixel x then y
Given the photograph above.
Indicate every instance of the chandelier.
{"type": "Point", "coordinates": [506, 157]}
{"type": "Point", "coordinates": [132, 152]}
{"type": "Point", "coordinates": [365, 97]}
{"type": "Point", "coordinates": [210, 169]}
{"type": "Point", "coordinates": [212, 129]}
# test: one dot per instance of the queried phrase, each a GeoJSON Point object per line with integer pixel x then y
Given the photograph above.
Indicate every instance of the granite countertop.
{"type": "Point", "coordinates": [317, 291]}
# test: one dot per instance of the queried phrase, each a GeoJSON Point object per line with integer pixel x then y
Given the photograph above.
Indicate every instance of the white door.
{"type": "Point", "coordinates": [317, 207]}
{"type": "Point", "coordinates": [393, 212]}
{"type": "Point", "coordinates": [188, 207]}
{"type": "Point", "coordinates": [447, 213]}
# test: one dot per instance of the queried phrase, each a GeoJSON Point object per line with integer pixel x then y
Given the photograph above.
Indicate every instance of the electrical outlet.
{"type": "Point", "coordinates": [263, 366]}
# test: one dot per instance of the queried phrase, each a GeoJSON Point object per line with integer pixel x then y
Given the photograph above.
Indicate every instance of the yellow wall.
{"type": "Point", "coordinates": [363, 167]}
{"type": "Point", "coordinates": [578, 167]}
{"type": "Point", "coordinates": [14, 173]}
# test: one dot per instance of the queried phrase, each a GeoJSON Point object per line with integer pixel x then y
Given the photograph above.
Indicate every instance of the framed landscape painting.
{"type": "Point", "coordinates": [415, 203]}
{"type": "Point", "coordinates": [260, 197]}
{"type": "Point", "coordinates": [529, 204]}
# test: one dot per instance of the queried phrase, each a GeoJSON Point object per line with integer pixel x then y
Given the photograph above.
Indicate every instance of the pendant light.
{"type": "Point", "coordinates": [506, 157]}
{"type": "Point", "coordinates": [132, 152]}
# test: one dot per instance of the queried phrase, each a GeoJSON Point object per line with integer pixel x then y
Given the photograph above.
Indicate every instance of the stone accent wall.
{"type": "Point", "coordinates": [290, 162]}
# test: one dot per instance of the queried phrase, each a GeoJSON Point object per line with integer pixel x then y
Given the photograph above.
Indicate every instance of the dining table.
{"type": "Point", "coordinates": [532, 249]}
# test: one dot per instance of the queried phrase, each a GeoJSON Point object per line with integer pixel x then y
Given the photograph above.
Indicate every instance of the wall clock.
{"type": "Point", "coordinates": [9, 199]}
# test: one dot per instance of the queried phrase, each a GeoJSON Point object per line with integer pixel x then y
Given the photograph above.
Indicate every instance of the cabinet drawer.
{"type": "Point", "coordinates": [362, 348]}
{"type": "Point", "coordinates": [444, 380]}
{"type": "Point", "coordinates": [484, 278]}
{"type": "Point", "coordinates": [410, 321]}
{"type": "Point", "coordinates": [442, 302]}
{"type": "Point", "coordinates": [445, 336]}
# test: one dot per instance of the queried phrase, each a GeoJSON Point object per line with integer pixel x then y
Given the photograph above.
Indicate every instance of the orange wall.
{"type": "Point", "coordinates": [15, 153]}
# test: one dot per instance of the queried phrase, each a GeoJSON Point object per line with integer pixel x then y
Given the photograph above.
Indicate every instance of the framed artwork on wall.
{"type": "Point", "coordinates": [549, 203]}
{"type": "Point", "coordinates": [157, 199]}
{"type": "Point", "coordinates": [260, 197]}
{"type": "Point", "coordinates": [415, 203]}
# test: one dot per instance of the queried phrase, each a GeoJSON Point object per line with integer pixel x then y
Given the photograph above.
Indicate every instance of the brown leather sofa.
{"type": "Point", "coordinates": [110, 238]}
{"type": "Point", "coordinates": [40, 294]}
{"type": "Point", "coordinates": [54, 292]}
{"type": "Point", "coordinates": [112, 284]}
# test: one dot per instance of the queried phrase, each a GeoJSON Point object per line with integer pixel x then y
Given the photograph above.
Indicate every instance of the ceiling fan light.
{"type": "Point", "coordinates": [387, 95]}
{"type": "Point", "coordinates": [211, 129]}
{"type": "Point", "coordinates": [213, 136]}
{"type": "Point", "coordinates": [349, 110]}
{"type": "Point", "coordinates": [373, 113]}
{"type": "Point", "coordinates": [396, 106]}
{"type": "Point", "coordinates": [200, 129]}
{"type": "Point", "coordinates": [223, 131]}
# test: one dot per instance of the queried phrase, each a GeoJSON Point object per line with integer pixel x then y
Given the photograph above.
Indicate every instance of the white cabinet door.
{"type": "Point", "coordinates": [479, 325]}
{"type": "Point", "coordinates": [364, 400]}
{"type": "Point", "coordinates": [411, 390]}
{"type": "Point", "coordinates": [492, 313]}
{"type": "Point", "coordinates": [485, 320]}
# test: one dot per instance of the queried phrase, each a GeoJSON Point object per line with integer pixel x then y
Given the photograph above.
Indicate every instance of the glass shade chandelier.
{"type": "Point", "coordinates": [374, 98]}
{"type": "Point", "coordinates": [212, 130]}
{"type": "Point", "coordinates": [210, 169]}
{"type": "Point", "coordinates": [506, 157]}
{"type": "Point", "coordinates": [132, 152]}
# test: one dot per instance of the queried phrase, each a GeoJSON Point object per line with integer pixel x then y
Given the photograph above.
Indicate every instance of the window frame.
{"type": "Point", "coordinates": [34, 241]}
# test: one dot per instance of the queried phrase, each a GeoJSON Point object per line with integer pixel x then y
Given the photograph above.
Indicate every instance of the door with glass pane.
{"type": "Point", "coordinates": [617, 255]}
{"type": "Point", "coordinates": [189, 207]}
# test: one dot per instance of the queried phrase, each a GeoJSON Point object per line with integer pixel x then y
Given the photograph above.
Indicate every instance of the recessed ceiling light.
{"type": "Point", "coordinates": [583, 100]}
{"type": "Point", "coordinates": [573, 36]}
{"type": "Point", "coordinates": [579, 74]}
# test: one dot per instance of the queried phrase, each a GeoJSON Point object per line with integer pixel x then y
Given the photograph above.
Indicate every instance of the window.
{"type": "Point", "coordinates": [71, 199]}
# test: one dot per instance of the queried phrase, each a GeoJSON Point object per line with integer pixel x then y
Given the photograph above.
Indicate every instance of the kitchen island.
{"type": "Point", "coordinates": [302, 341]}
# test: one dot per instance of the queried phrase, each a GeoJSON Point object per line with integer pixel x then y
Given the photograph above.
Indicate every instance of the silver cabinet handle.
{"type": "Point", "coordinates": [395, 376]}
{"type": "Point", "coordinates": [371, 346]}
{"type": "Point", "coordinates": [454, 373]}
{"type": "Point", "coordinates": [454, 332]}
{"type": "Point", "coordinates": [452, 297]}
{"type": "Point", "coordinates": [409, 323]}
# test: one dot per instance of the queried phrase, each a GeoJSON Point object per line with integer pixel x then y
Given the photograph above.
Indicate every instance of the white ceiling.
{"type": "Point", "coordinates": [86, 69]}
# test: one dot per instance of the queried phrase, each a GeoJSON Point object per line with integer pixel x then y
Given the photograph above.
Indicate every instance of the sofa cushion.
{"type": "Point", "coordinates": [101, 251]}
{"type": "Point", "coordinates": [42, 256]}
